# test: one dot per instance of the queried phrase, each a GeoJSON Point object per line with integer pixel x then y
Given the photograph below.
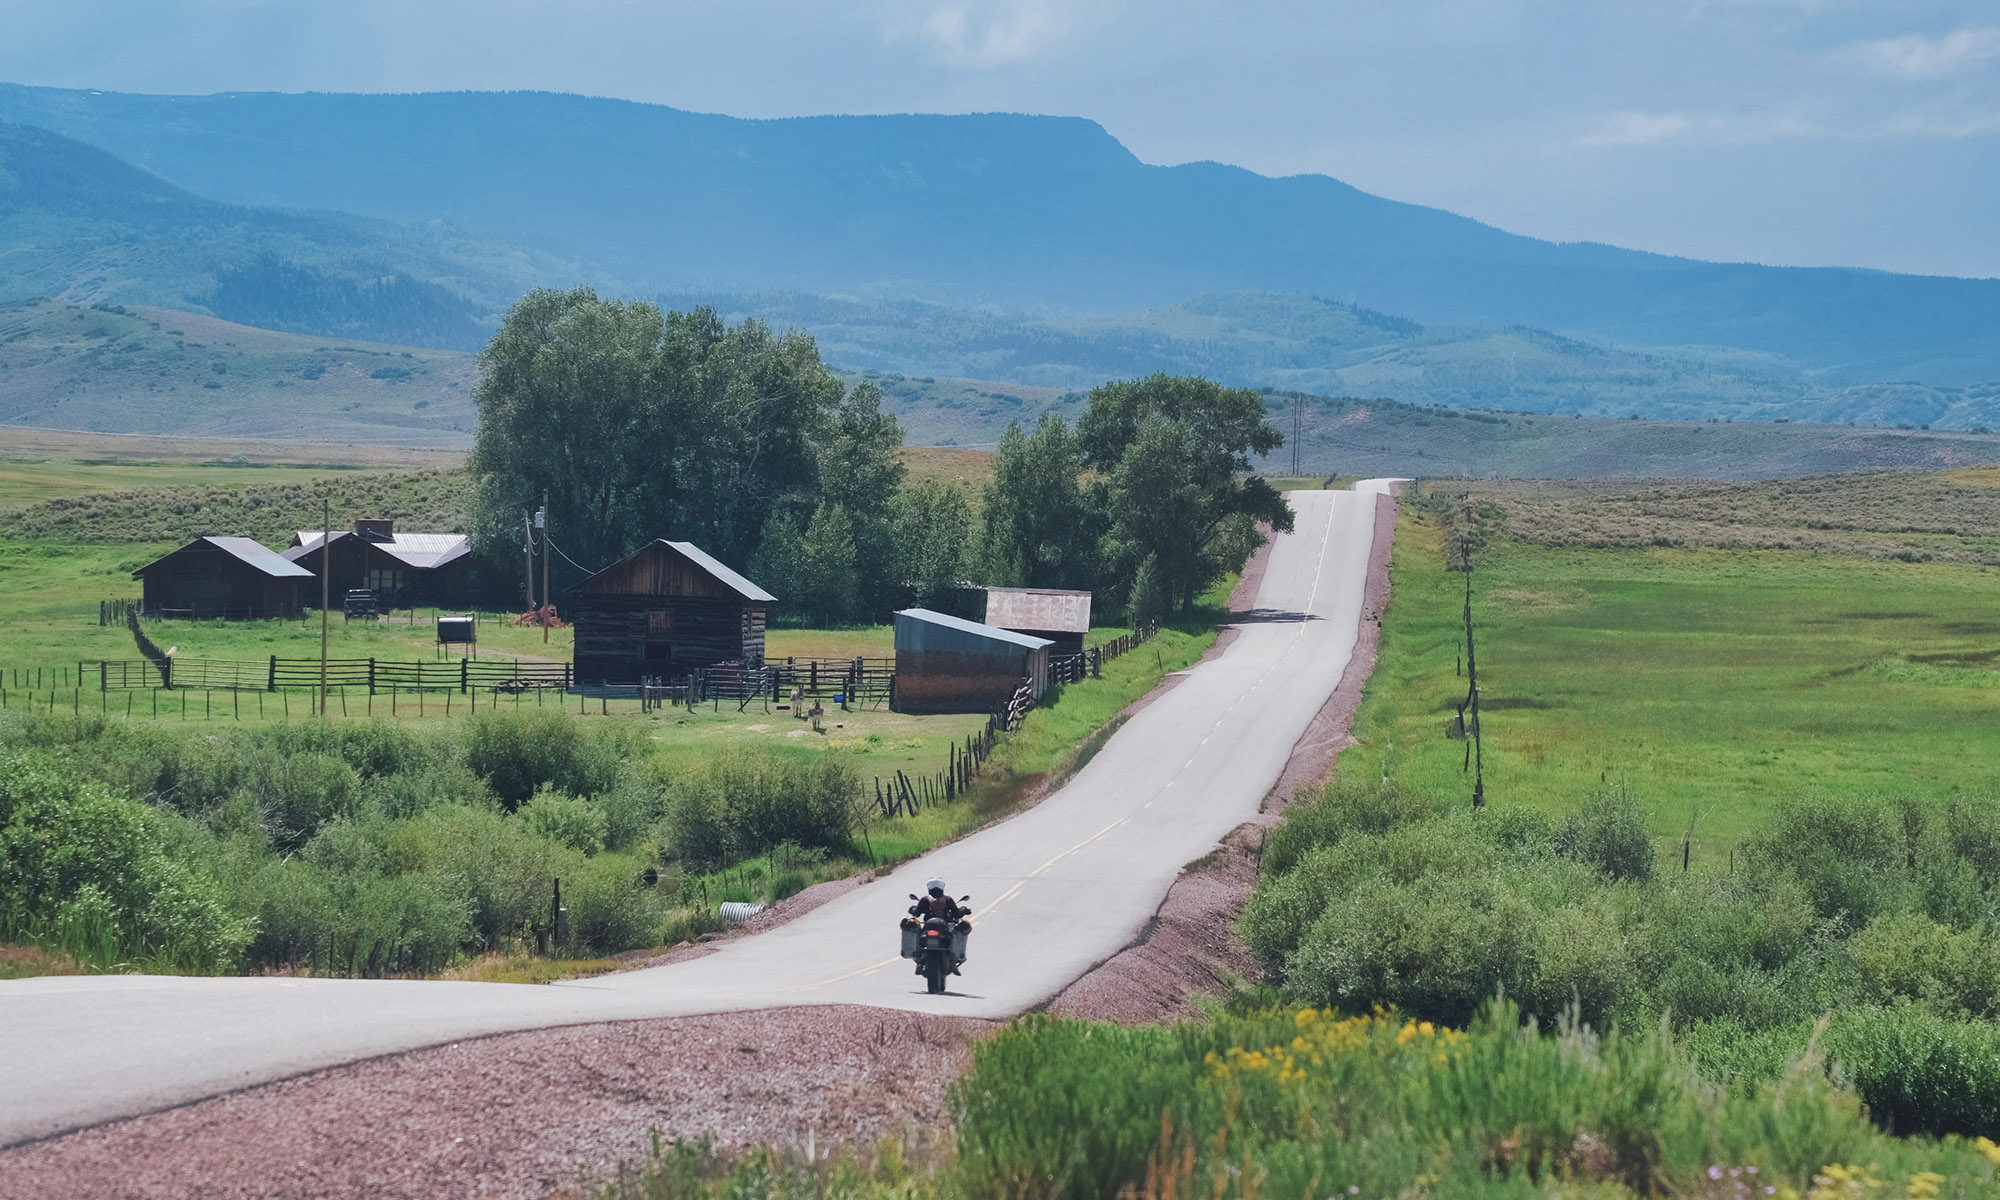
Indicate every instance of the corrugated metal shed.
{"type": "Point", "coordinates": [1042, 610]}
{"type": "Point", "coordinates": [949, 664]}
{"type": "Point", "coordinates": [923, 629]}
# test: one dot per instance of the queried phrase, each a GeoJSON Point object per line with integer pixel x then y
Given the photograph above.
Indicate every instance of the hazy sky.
{"type": "Point", "coordinates": [1862, 132]}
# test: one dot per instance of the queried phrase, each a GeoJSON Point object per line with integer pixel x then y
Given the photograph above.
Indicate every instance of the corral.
{"type": "Point", "coordinates": [669, 609]}
{"type": "Point", "coordinates": [949, 664]}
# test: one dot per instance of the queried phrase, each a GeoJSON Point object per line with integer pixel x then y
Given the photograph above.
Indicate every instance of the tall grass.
{"type": "Point", "coordinates": [1308, 1103]}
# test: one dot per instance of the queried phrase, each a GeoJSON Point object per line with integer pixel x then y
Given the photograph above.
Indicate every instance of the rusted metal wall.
{"type": "Point", "coordinates": [946, 665]}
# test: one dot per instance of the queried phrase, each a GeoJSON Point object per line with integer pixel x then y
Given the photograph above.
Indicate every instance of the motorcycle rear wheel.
{"type": "Point", "coordinates": [934, 975]}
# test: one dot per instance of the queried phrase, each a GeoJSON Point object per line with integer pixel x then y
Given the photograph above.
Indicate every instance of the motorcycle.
{"type": "Point", "coordinates": [937, 945]}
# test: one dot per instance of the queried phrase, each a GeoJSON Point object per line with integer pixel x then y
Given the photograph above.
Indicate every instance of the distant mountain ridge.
{"type": "Point", "coordinates": [1002, 209]}
{"type": "Point", "coordinates": [80, 224]}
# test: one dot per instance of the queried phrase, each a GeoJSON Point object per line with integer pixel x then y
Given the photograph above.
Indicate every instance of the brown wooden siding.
{"type": "Point", "coordinates": [202, 581]}
{"type": "Point", "coordinates": [623, 638]}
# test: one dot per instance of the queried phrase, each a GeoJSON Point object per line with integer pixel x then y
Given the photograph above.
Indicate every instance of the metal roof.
{"type": "Point", "coordinates": [246, 550]}
{"type": "Point", "coordinates": [743, 587]}
{"type": "Point", "coordinates": [1038, 608]}
{"type": "Point", "coordinates": [990, 632]}
{"type": "Point", "coordinates": [423, 551]}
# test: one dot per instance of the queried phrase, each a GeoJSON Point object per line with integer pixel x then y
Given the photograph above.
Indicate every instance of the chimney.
{"type": "Point", "coordinates": [375, 529]}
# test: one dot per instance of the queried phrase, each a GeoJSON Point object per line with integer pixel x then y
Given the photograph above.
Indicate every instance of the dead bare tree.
{"type": "Point", "coordinates": [1462, 542]}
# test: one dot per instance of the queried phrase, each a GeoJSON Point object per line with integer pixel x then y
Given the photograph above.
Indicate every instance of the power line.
{"type": "Point", "coordinates": [566, 558]}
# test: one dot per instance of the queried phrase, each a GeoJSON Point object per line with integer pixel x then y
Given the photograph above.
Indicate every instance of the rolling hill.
{"type": "Point", "coordinates": [119, 369]}
{"type": "Point", "coordinates": [986, 209]}
{"type": "Point", "coordinates": [1310, 344]}
{"type": "Point", "coordinates": [79, 224]}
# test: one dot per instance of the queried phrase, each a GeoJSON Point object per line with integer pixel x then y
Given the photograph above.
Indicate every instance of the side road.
{"type": "Point", "coordinates": [1171, 784]}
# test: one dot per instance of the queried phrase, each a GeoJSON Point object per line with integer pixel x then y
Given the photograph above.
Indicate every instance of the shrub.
{"type": "Point", "coordinates": [565, 820]}
{"type": "Point", "coordinates": [1609, 833]}
{"type": "Point", "coordinates": [1848, 853]}
{"type": "Point", "coordinates": [505, 871]}
{"type": "Point", "coordinates": [1909, 957]}
{"type": "Point", "coordinates": [1347, 807]}
{"type": "Point", "coordinates": [298, 792]}
{"type": "Point", "coordinates": [84, 870]}
{"type": "Point", "coordinates": [608, 911]}
{"type": "Point", "coordinates": [1920, 1072]}
{"type": "Point", "coordinates": [749, 802]}
{"type": "Point", "coordinates": [518, 752]}
{"type": "Point", "coordinates": [409, 793]}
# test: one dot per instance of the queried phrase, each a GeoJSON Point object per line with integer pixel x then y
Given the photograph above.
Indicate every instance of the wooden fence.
{"type": "Point", "coordinates": [376, 676]}
{"type": "Point", "coordinates": [858, 680]}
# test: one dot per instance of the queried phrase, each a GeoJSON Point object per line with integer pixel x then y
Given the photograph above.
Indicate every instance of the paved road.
{"type": "Point", "coordinates": [1055, 891]}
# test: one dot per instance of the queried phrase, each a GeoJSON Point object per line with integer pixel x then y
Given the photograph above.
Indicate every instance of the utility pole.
{"type": "Point", "coordinates": [543, 517]}
{"type": "Point", "coordinates": [1472, 679]}
{"type": "Point", "coordinates": [325, 589]}
{"type": "Point", "coordinates": [1298, 428]}
{"type": "Point", "coordinates": [528, 549]}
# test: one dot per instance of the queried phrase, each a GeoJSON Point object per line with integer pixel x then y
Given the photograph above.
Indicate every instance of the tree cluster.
{"type": "Point", "coordinates": [640, 424]}
{"type": "Point", "coordinates": [1147, 501]}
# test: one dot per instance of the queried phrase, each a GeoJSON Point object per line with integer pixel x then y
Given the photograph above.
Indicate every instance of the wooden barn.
{"type": "Point", "coordinates": [1061, 617]}
{"type": "Point", "coordinates": [402, 569]}
{"type": "Point", "coordinates": [234, 577]}
{"type": "Point", "coordinates": [667, 610]}
{"type": "Point", "coordinates": [947, 664]}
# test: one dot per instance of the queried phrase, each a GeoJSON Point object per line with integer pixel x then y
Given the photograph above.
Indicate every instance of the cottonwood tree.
{"type": "Point", "coordinates": [1174, 452]}
{"type": "Point", "coordinates": [932, 527]}
{"type": "Point", "coordinates": [1039, 529]}
{"type": "Point", "coordinates": [642, 424]}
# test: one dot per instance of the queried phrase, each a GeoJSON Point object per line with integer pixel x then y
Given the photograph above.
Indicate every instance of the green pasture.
{"type": "Point", "coordinates": [1706, 683]}
{"type": "Point", "coordinates": [25, 481]}
{"type": "Point", "coordinates": [49, 594]}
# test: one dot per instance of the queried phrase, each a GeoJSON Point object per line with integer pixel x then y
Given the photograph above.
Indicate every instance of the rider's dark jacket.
{"type": "Point", "coordinates": [937, 906]}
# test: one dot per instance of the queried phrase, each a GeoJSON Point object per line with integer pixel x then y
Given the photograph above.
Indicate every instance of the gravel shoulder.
{"type": "Point", "coordinates": [526, 1114]}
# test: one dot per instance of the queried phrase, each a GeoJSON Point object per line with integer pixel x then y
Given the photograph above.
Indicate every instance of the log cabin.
{"type": "Point", "coordinates": [666, 611]}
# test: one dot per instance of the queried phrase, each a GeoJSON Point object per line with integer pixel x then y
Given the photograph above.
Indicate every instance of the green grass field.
{"type": "Point", "coordinates": [1706, 682]}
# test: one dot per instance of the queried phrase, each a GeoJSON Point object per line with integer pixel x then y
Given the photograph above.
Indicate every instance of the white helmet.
{"type": "Point", "coordinates": [935, 885]}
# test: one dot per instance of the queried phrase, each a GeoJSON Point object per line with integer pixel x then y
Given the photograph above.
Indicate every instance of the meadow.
{"type": "Point", "coordinates": [1705, 682]}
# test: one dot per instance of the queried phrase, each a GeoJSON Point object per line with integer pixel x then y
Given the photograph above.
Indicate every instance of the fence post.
{"type": "Point", "coordinates": [272, 684]}
{"type": "Point", "coordinates": [465, 675]}
{"type": "Point", "coordinates": [371, 677]}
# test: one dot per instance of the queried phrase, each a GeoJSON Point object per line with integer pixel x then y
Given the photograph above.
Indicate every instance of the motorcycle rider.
{"type": "Point", "coordinates": [937, 904]}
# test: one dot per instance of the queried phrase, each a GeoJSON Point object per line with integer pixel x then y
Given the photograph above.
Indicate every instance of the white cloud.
{"type": "Point", "coordinates": [1638, 129]}
{"type": "Point", "coordinates": [1921, 57]}
{"type": "Point", "coordinates": [995, 33]}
